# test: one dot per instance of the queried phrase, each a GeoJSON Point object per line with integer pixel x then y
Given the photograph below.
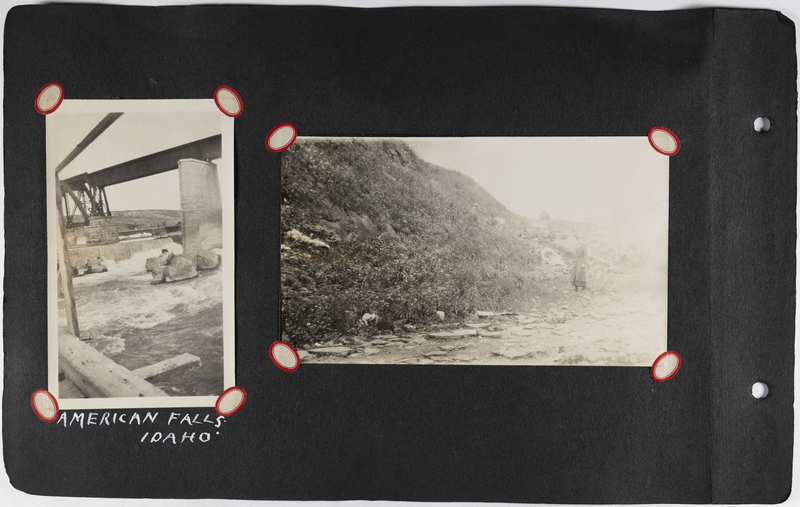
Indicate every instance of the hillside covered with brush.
{"type": "Point", "coordinates": [370, 228]}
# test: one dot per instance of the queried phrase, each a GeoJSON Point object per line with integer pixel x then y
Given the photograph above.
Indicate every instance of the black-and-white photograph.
{"type": "Point", "coordinates": [475, 251]}
{"type": "Point", "coordinates": [140, 235]}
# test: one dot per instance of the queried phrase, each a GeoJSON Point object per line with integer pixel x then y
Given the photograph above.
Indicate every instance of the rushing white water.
{"type": "Point", "coordinates": [122, 250]}
{"type": "Point", "coordinates": [136, 323]}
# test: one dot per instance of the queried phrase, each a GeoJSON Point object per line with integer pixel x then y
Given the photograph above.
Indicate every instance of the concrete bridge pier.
{"type": "Point", "coordinates": [201, 204]}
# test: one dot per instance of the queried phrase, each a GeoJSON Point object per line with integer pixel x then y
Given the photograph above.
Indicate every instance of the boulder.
{"type": "Point", "coordinates": [185, 255]}
{"type": "Point", "coordinates": [369, 318]}
{"type": "Point", "coordinates": [357, 227]}
{"type": "Point", "coordinates": [385, 323]}
{"type": "Point", "coordinates": [151, 263]}
{"type": "Point", "coordinates": [388, 232]}
{"type": "Point", "coordinates": [94, 262]}
{"type": "Point", "coordinates": [552, 257]}
{"type": "Point", "coordinates": [440, 314]}
{"type": "Point", "coordinates": [368, 224]}
{"type": "Point", "coordinates": [98, 268]}
{"type": "Point", "coordinates": [299, 238]}
{"type": "Point", "coordinates": [81, 271]}
{"type": "Point", "coordinates": [180, 268]}
{"type": "Point", "coordinates": [333, 231]}
{"type": "Point", "coordinates": [207, 260]}
{"type": "Point", "coordinates": [77, 263]}
{"type": "Point", "coordinates": [162, 260]}
{"type": "Point", "coordinates": [158, 274]}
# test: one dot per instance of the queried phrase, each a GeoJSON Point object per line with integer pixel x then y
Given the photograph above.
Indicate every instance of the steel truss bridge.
{"type": "Point", "coordinates": [87, 191]}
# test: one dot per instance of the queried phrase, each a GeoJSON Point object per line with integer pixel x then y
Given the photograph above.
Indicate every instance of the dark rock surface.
{"type": "Point", "coordinates": [207, 260]}
{"type": "Point", "coordinates": [181, 268]}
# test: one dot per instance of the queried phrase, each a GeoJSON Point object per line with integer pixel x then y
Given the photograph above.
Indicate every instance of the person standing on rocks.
{"type": "Point", "coordinates": [165, 257]}
{"type": "Point", "coordinates": [579, 265]}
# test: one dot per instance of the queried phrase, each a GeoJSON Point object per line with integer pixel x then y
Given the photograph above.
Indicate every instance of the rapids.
{"type": "Point", "coordinates": [136, 324]}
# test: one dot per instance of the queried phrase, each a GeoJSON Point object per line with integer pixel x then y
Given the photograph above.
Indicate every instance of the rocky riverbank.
{"type": "Point", "coordinates": [613, 325]}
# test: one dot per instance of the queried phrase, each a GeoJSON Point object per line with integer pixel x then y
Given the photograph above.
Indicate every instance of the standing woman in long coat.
{"type": "Point", "coordinates": [579, 266]}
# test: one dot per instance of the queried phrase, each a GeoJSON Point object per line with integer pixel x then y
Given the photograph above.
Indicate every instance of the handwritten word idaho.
{"type": "Point", "coordinates": [203, 437]}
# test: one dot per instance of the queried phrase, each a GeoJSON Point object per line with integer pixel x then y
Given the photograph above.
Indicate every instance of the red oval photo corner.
{"type": "Point", "coordinates": [228, 101]}
{"type": "Point", "coordinates": [281, 137]}
{"type": "Point", "coordinates": [284, 356]}
{"type": "Point", "coordinates": [230, 401]}
{"type": "Point", "coordinates": [664, 141]}
{"type": "Point", "coordinates": [44, 405]}
{"type": "Point", "coordinates": [49, 98]}
{"type": "Point", "coordinates": [666, 366]}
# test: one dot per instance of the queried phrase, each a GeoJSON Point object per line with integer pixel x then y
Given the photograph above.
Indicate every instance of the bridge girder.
{"type": "Point", "coordinates": [87, 190]}
{"type": "Point", "coordinates": [209, 148]}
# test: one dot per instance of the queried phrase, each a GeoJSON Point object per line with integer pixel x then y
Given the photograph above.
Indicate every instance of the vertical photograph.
{"type": "Point", "coordinates": [472, 251]}
{"type": "Point", "coordinates": [140, 237]}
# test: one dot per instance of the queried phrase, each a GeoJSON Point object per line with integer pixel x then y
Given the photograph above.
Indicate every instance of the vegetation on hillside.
{"type": "Point", "coordinates": [407, 240]}
{"type": "Point", "coordinates": [146, 219]}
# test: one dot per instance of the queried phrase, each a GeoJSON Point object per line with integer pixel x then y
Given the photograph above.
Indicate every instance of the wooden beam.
{"type": "Point", "coordinates": [178, 362]}
{"type": "Point", "coordinates": [67, 389]}
{"type": "Point", "coordinates": [94, 134]}
{"type": "Point", "coordinates": [98, 376]}
{"type": "Point", "coordinates": [66, 273]}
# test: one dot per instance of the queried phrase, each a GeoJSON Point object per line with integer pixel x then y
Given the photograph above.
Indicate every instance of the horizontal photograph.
{"type": "Point", "coordinates": [140, 233]}
{"type": "Point", "coordinates": [475, 251]}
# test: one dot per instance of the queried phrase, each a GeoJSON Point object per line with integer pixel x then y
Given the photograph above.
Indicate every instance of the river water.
{"type": "Point", "coordinates": [136, 324]}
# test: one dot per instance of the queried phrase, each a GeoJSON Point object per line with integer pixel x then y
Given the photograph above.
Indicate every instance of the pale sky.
{"type": "Point", "coordinates": [133, 135]}
{"type": "Point", "coordinates": [620, 183]}
{"type": "Point", "coordinates": [616, 182]}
